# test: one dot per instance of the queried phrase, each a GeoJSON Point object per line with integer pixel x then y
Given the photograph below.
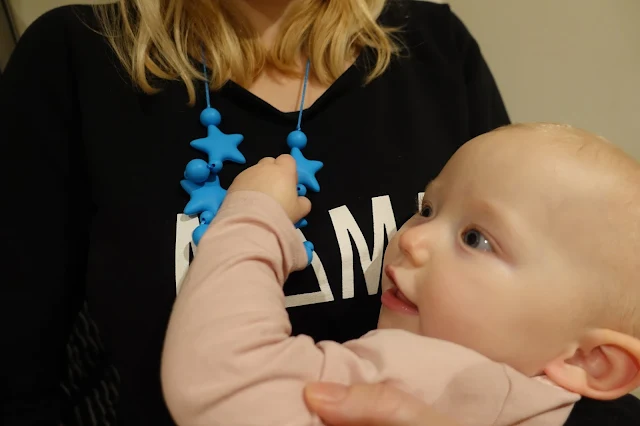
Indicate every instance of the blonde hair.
{"type": "Point", "coordinates": [161, 38]}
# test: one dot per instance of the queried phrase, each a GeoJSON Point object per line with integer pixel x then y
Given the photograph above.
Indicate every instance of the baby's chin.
{"type": "Point", "coordinates": [389, 319]}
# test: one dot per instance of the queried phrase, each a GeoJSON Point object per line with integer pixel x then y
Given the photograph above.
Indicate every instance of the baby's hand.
{"type": "Point", "coordinates": [277, 178]}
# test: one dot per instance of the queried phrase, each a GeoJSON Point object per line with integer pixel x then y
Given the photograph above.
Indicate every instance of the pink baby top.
{"type": "Point", "coordinates": [229, 357]}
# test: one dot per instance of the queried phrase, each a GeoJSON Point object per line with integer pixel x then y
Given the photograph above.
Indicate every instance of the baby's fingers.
{"type": "Point", "coordinates": [304, 207]}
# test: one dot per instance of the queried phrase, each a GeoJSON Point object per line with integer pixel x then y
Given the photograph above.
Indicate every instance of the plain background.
{"type": "Point", "coordinates": [569, 61]}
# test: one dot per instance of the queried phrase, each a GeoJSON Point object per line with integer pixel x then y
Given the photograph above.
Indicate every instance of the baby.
{"type": "Point", "coordinates": [511, 292]}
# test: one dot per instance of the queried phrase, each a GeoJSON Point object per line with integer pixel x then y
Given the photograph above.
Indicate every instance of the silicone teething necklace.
{"type": "Point", "coordinates": [201, 180]}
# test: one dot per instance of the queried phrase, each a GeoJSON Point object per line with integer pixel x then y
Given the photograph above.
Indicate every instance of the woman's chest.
{"type": "Point", "coordinates": [378, 151]}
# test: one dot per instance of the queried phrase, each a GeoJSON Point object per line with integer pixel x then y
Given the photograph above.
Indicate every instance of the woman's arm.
{"type": "Point", "coordinates": [43, 222]}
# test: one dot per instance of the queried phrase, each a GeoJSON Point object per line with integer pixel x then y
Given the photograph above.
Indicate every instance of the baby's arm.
{"type": "Point", "coordinates": [229, 357]}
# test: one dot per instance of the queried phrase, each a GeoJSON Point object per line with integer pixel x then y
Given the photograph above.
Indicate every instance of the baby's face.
{"type": "Point", "coordinates": [498, 257]}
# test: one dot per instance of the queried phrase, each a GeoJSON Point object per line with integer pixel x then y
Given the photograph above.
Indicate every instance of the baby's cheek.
{"type": "Point", "coordinates": [447, 309]}
{"type": "Point", "coordinates": [459, 314]}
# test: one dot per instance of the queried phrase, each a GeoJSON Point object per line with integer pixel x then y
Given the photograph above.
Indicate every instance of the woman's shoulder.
{"type": "Point", "coordinates": [62, 28]}
{"type": "Point", "coordinates": [416, 14]}
{"type": "Point", "coordinates": [62, 45]}
{"type": "Point", "coordinates": [63, 19]}
{"type": "Point", "coordinates": [429, 28]}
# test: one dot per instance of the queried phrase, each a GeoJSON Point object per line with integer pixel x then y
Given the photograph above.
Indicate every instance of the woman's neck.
{"type": "Point", "coordinates": [265, 16]}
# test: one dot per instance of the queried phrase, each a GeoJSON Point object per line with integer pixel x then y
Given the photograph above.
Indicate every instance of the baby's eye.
{"type": "Point", "coordinates": [426, 211]}
{"type": "Point", "coordinates": [474, 239]}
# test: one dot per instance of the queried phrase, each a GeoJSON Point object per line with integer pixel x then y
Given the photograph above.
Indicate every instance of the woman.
{"type": "Point", "coordinates": [99, 107]}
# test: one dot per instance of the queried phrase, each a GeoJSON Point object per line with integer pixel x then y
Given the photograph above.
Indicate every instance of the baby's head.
{"type": "Point", "coordinates": [526, 248]}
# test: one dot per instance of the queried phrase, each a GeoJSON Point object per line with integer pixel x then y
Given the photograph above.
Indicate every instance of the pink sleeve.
{"type": "Point", "coordinates": [228, 355]}
{"type": "Point", "coordinates": [229, 358]}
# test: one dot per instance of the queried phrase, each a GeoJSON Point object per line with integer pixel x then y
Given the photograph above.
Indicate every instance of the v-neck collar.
{"type": "Point", "coordinates": [352, 77]}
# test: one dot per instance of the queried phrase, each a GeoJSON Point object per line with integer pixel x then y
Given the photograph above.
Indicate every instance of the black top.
{"type": "Point", "coordinates": [90, 170]}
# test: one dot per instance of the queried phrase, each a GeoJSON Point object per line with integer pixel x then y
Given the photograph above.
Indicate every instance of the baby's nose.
{"type": "Point", "coordinates": [414, 245]}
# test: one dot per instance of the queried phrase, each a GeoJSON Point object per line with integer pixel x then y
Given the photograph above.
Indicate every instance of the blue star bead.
{"type": "Point", "coordinates": [220, 147]}
{"type": "Point", "coordinates": [301, 223]}
{"type": "Point", "coordinates": [306, 170]}
{"type": "Point", "coordinates": [205, 196]}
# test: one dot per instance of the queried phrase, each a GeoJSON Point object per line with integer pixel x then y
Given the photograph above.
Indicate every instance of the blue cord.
{"type": "Point", "coordinates": [304, 91]}
{"type": "Point", "coordinates": [206, 79]}
{"type": "Point", "coordinates": [304, 87]}
{"type": "Point", "coordinates": [201, 181]}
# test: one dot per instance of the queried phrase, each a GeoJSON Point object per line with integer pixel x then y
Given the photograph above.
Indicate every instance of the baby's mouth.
{"type": "Point", "coordinates": [394, 299]}
{"type": "Point", "coordinates": [400, 295]}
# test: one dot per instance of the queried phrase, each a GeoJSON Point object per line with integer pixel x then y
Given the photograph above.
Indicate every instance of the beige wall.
{"type": "Point", "coordinates": [573, 61]}
{"type": "Point", "coordinates": [6, 39]}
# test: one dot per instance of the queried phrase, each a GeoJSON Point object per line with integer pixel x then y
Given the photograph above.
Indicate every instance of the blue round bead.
{"type": "Point", "coordinates": [197, 171]}
{"type": "Point", "coordinates": [206, 217]}
{"type": "Point", "coordinates": [308, 246]}
{"type": "Point", "coordinates": [215, 167]}
{"type": "Point", "coordinates": [302, 190]}
{"type": "Point", "coordinates": [297, 139]}
{"type": "Point", "coordinates": [198, 233]}
{"type": "Point", "coordinates": [210, 117]}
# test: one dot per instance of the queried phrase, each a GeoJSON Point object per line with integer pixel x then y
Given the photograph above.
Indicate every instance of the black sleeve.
{"type": "Point", "coordinates": [485, 106]}
{"type": "Point", "coordinates": [43, 221]}
{"type": "Point", "coordinates": [623, 411]}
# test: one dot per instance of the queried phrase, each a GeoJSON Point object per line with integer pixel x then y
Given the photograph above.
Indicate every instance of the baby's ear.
{"type": "Point", "coordinates": [605, 366]}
